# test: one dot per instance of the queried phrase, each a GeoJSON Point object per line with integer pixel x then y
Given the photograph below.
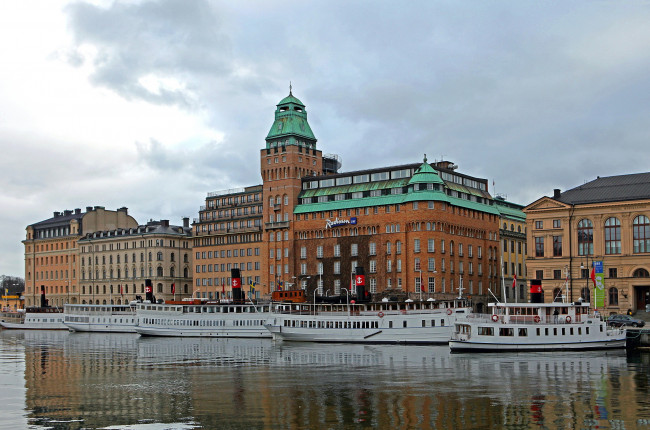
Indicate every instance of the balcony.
{"type": "Point", "coordinates": [276, 225]}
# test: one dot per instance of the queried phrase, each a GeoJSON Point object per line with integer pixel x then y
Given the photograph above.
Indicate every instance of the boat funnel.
{"type": "Point", "coordinates": [148, 290]}
{"type": "Point", "coordinates": [360, 281]}
{"type": "Point", "coordinates": [235, 276]}
{"type": "Point", "coordinates": [536, 294]}
{"type": "Point", "coordinates": [43, 299]}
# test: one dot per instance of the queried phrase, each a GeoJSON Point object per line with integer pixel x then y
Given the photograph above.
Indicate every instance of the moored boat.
{"type": "Point", "coordinates": [409, 322]}
{"type": "Point", "coordinates": [204, 318]}
{"type": "Point", "coordinates": [100, 318]}
{"type": "Point", "coordinates": [559, 325]}
{"type": "Point", "coordinates": [36, 318]}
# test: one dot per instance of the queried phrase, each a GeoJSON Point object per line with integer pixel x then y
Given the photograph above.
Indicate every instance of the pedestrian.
{"type": "Point", "coordinates": [555, 315]}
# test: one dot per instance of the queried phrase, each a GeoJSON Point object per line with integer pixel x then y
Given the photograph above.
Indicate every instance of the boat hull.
{"type": "Point", "coordinates": [233, 332]}
{"type": "Point", "coordinates": [465, 346]}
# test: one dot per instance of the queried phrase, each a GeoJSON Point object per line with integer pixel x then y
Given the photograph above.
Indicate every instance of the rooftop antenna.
{"type": "Point", "coordinates": [290, 88]}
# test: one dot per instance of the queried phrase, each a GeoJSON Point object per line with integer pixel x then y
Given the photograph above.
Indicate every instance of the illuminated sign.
{"type": "Point", "coordinates": [329, 223]}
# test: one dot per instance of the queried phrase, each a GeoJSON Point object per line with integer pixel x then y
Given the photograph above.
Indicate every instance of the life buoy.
{"type": "Point", "coordinates": [380, 314]}
{"type": "Point", "coordinates": [568, 318]}
{"type": "Point", "coordinates": [448, 311]}
{"type": "Point", "coordinates": [537, 319]}
{"type": "Point", "coordinates": [495, 318]}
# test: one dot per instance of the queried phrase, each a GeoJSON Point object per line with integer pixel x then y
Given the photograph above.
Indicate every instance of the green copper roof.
{"type": "Point", "coordinates": [510, 212]}
{"type": "Point", "coordinates": [290, 99]}
{"type": "Point", "coordinates": [290, 126]}
{"type": "Point", "coordinates": [426, 174]}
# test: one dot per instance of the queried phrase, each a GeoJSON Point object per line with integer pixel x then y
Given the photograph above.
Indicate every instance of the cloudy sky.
{"type": "Point", "coordinates": [153, 104]}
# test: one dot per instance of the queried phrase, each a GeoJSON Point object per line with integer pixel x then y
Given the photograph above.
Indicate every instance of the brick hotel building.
{"type": "Point", "coordinates": [418, 229]}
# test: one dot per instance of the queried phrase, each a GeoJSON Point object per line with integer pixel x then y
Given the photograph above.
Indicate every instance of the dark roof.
{"type": "Point", "coordinates": [610, 189]}
{"type": "Point", "coordinates": [59, 220]}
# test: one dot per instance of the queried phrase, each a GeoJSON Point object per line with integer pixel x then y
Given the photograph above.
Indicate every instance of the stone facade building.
{"type": "Point", "coordinates": [52, 252]}
{"type": "Point", "coordinates": [115, 263]}
{"type": "Point", "coordinates": [595, 239]}
{"type": "Point", "coordinates": [512, 232]}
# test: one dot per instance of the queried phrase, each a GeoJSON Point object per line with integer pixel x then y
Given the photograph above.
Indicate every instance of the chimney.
{"type": "Point", "coordinates": [164, 222]}
{"type": "Point", "coordinates": [556, 193]}
{"type": "Point", "coordinates": [186, 222]}
{"type": "Point", "coordinates": [67, 212]}
{"type": "Point", "coordinates": [56, 214]}
{"type": "Point", "coordinates": [89, 208]}
{"type": "Point", "coordinates": [123, 209]}
{"type": "Point", "coordinates": [77, 211]}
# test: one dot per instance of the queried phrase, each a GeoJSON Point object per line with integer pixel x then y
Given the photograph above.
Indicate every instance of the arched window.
{"type": "Point", "coordinates": [171, 272]}
{"type": "Point", "coordinates": [585, 237]}
{"type": "Point", "coordinates": [585, 294]}
{"type": "Point", "coordinates": [172, 257]}
{"type": "Point", "coordinates": [557, 295]}
{"type": "Point", "coordinates": [612, 236]}
{"type": "Point", "coordinates": [641, 232]}
{"type": "Point", "coordinates": [159, 256]}
{"type": "Point", "coordinates": [641, 273]}
{"type": "Point", "coordinates": [613, 296]}
{"type": "Point", "coordinates": [185, 273]}
{"type": "Point", "coordinates": [159, 271]}
{"type": "Point", "coordinates": [150, 256]}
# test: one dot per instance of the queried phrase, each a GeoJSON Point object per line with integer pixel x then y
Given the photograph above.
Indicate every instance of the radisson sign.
{"type": "Point", "coordinates": [329, 223]}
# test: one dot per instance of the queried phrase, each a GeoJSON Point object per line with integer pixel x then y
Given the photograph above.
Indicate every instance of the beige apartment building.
{"type": "Point", "coordinates": [52, 253]}
{"type": "Point", "coordinates": [595, 239]}
{"type": "Point", "coordinates": [113, 264]}
{"type": "Point", "coordinates": [512, 233]}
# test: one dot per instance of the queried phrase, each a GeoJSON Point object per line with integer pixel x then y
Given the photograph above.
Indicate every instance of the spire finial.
{"type": "Point", "coordinates": [290, 88]}
{"type": "Point", "coordinates": [425, 158]}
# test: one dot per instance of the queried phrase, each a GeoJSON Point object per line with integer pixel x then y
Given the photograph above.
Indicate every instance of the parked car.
{"type": "Point", "coordinates": [624, 320]}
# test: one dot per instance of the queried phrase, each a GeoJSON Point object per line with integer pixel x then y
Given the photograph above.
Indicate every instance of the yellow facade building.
{"type": "Point", "coordinates": [595, 239]}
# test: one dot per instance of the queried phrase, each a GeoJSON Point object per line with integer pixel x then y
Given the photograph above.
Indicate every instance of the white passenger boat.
{"type": "Point", "coordinates": [36, 318]}
{"type": "Point", "coordinates": [198, 318]}
{"type": "Point", "coordinates": [535, 327]}
{"type": "Point", "coordinates": [100, 318]}
{"type": "Point", "coordinates": [421, 322]}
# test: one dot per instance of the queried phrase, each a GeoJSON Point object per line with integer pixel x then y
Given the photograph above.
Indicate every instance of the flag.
{"type": "Point", "coordinates": [223, 289]}
{"type": "Point", "coordinates": [173, 288]}
{"type": "Point", "coordinates": [120, 288]}
{"type": "Point", "coordinates": [593, 275]}
{"type": "Point", "coordinates": [514, 281]}
{"type": "Point", "coordinates": [280, 286]}
{"type": "Point", "coordinates": [252, 285]}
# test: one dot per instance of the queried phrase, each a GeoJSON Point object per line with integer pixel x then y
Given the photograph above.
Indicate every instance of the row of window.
{"type": "Point", "coordinates": [231, 213]}
{"type": "Point", "coordinates": [207, 268]}
{"type": "Point", "coordinates": [133, 272]}
{"type": "Point", "coordinates": [227, 253]}
{"type": "Point", "coordinates": [159, 257]}
{"type": "Point", "coordinates": [612, 236]}
{"type": "Point", "coordinates": [230, 200]}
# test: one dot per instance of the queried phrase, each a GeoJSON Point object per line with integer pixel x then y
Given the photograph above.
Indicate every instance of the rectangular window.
{"type": "Point", "coordinates": [337, 267]}
{"type": "Point", "coordinates": [539, 225]}
{"type": "Point", "coordinates": [373, 266]}
{"type": "Point", "coordinates": [303, 252]}
{"type": "Point", "coordinates": [431, 245]}
{"type": "Point", "coordinates": [416, 245]}
{"type": "Point", "coordinates": [319, 251]}
{"type": "Point", "coordinates": [557, 223]}
{"type": "Point", "coordinates": [354, 250]}
{"type": "Point", "coordinates": [431, 264]}
{"type": "Point", "coordinates": [557, 246]}
{"type": "Point", "coordinates": [539, 247]}
{"type": "Point", "coordinates": [373, 248]}
{"type": "Point", "coordinates": [337, 250]}
{"type": "Point", "coordinates": [613, 272]}
{"type": "Point", "coordinates": [539, 274]}
{"type": "Point", "coordinates": [557, 274]}
{"type": "Point", "coordinates": [431, 284]}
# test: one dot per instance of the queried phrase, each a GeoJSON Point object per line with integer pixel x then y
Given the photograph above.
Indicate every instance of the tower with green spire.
{"type": "Point", "coordinates": [290, 127]}
{"type": "Point", "coordinates": [289, 155]}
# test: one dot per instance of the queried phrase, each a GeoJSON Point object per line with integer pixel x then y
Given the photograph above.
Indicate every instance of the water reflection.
{"type": "Point", "coordinates": [92, 380]}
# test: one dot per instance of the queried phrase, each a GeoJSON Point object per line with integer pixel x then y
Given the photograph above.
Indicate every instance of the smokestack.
{"type": "Point", "coordinates": [556, 193]}
{"type": "Point", "coordinates": [236, 285]}
{"type": "Point", "coordinates": [360, 282]}
{"type": "Point", "coordinates": [43, 299]}
{"type": "Point", "coordinates": [148, 290]}
{"type": "Point", "coordinates": [536, 295]}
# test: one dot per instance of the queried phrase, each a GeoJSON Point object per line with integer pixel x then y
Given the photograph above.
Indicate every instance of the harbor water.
{"type": "Point", "coordinates": [61, 380]}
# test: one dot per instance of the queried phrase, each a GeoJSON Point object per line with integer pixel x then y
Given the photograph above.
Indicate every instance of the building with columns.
{"type": "Point", "coordinates": [595, 238]}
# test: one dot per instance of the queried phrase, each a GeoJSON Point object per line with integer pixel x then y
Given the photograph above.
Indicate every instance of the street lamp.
{"type": "Point", "coordinates": [347, 298]}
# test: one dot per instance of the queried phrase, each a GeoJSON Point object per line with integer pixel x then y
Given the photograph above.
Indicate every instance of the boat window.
{"type": "Point", "coordinates": [571, 331]}
{"type": "Point", "coordinates": [506, 331]}
{"type": "Point", "coordinates": [563, 331]}
{"type": "Point", "coordinates": [523, 332]}
{"type": "Point", "coordinates": [390, 324]}
{"type": "Point", "coordinates": [538, 331]}
{"type": "Point", "coordinates": [404, 323]}
{"type": "Point", "coordinates": [433, 323]}
{"type": "Point", "coordinates": [555, 332]}
{"type": "Point", "coordinates": [579, 331]}
{"type": "Point", "coordinates": [485, 331]}
{"type": "Point", "coordinates": [424, 323]}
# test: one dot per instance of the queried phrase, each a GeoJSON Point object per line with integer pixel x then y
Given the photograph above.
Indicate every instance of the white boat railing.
{"type": "Point", "coordinates": [529, 319]}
